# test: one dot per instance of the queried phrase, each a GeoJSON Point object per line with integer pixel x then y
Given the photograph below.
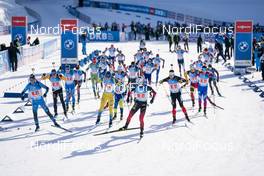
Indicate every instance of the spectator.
{"type": "Point", "coordinates": [28, 41]}
{"type": "Point", "coordinates": [3, 47]}
{"type": "Point", "coordinates": [262, 65]}
{"type": "Point", "coordinates": [12, 51]}
{"type": "Point", "coordinates": [16, 43]}
{"type": "Point", "coordinates": [199, 44]}
{"type": "Point", "coordinates": [170, 39]}
{"type": "Point", "coordinates": [186, 42]}
{"type": "Point", "coordinates": [176, 40]}
{"type": "Point", "coordinates": [219, 48]}
{"type": "Point", "coordinates": [227, 47]}
{"type": "Point", "coordinates": [36, 42]}
{"type": "Point", "coordinates": [133, 29]}
{"type": "Point", "coordinates": [232, 46]}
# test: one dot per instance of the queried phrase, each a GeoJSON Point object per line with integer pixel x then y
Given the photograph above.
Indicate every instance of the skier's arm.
{"type": "Point", "coordinates": [44, 87]}
{"type": "Point", "coordinates": [153, 93]}
{"type": "Point", "coordinates": [217, 73]}
{"type": "Point", "coordinates": [164, 80]}
{"type": "Point", "coordinates": [45, 76]}
{"type": "Point", "coordinates": [163, 62]}
{"type": "Point", "coordinates": [62, 77]}
{"type": "Point", "coordinates": [84, 76]}
{"type": "Point", "coordinates": [182, 80]}
{"type": "Point", "coordinates": [24, 91]}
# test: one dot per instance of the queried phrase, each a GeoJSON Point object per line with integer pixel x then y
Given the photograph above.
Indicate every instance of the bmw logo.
{"type": "Point", "coordinates": [243, 46]}
{"type": "Point", "coordinates": [69, 44]}
{"type": "Point", "coordinates": [19, 37]}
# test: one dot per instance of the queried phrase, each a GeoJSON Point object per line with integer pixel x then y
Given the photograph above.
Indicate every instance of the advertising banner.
{"type": "Point", "coordinates": [243, 44]}
{"type": "Point", "coordinates": [69, 42]}
{"type": "Point", "coordinates": [19, 29]}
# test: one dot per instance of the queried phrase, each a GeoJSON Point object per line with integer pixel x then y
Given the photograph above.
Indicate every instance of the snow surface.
{"type": "Point", "coordinates": [51, 11]}
{"type": "Point", "coordinates": [102, 15]}
{"type": "Point", "coordinates": [229, 142]}
{"type": "Point", "coordinates": [9, 8]}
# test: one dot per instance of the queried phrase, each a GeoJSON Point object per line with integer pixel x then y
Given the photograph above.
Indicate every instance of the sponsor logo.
{"type": "Point", "coordinates": [243, 46]}
{"type": "Point", "coordinates": [69, 44]}
{"type": "Point", "coordinates": [19, 37]}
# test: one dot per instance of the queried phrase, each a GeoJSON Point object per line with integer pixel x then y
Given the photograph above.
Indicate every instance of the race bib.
{"type": "Point", "coordinates": [108, 87]}
{"type": "Point", "coordinates": [56, 84]}
{"type": "Point", "coordinates": [174, 87]}
{"type": "Point", "coordinates": [36, 93]}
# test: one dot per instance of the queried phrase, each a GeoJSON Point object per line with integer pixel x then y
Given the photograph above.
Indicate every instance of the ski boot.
{"type": "Point", "coordinates": [121, 116]}
{"type": "Point", "coordinates": [37, 128]}
{"type": "Point", "coordinates": [174, 120]}
{"type": "Point", "coordinates": [141, 134]}
{"type": "Point", "coordinates": [110, 123]}
{"type": "Point", "coordinates": [97, 120]}
{"type": "Point", "coordinates": [123, 128]}
{"type": "Point", "coordinates": [204, 111]}
{"type": "Point", "coordinates": [187, 117]}
{"type": "Point", "coordinates": [55, 115]}
{"type": "Point", "coordinates": [94, 93]}
{"type": "Point", "coordinates": [199, 110]}
{"type": "Point", "coordinates": [193, 103]}
{"type": "Point", "coordinates": [114, 116]}
{"type": "Point", "coordinates": [56, 124]}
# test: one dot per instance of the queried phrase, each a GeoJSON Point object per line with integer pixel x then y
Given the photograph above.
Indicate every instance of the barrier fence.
{"type": "Point", "coordinates": [29, 54]}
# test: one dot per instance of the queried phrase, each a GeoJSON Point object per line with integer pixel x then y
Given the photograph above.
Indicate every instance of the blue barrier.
{"type": "Point", "coordinates": [104, 36]}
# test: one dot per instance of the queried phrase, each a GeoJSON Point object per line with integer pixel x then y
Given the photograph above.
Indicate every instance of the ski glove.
{"type": "Point", "coordinates": [22, 96]}
{"type": "Point", "coordinates": [45, 95]}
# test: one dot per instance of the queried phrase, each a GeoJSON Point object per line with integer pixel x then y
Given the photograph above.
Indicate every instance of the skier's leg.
{"type": "Point", "coordinates": [211, 87]}
{"type": "Point", "coordinates": [115, 105]}
{"type": "Point", "coordinates": [35, 105]}
{"type": "Point", "coordinates": [110, 104]}
{"type": "Point", "coordinates": [134, 109]}
{"type": "Point", "coordinates": [179, 98]}
{"type": "Point", "coordinates": [62, 102]}
{"type": "Point", "coordinates": [192, 94]}
{"type": "Point", "coordinates": [200, 95]}
{"type": "Point", "coordinates": [78, 93]}
{"type": "Point", "coordinates": [73, 98]}
{"type": "Point", "coordinates": [121, 105]}
{"type": "Point", "coordinates": [217, 90]}
{"type": "Point", "coordinates": [173, 103]}
{"type": "Point", "coordinates": [46, 109]}
{"type": "Point", "coordinates": [55, 99]}
{"type": "Point", "coordinates": [205, 99]}
{"type": "Point", "coordinates": [141, 117]}
{"type": "Point", "coordinates": [179, 64]}
{"type": "Point", "coordinates": [157, 75]}
{"type": "Point", "coordinates": [93, 86]}
{"type": "Point", "coordinates": [101, 108]}
{"type": "Point", "coordinates": [67, 98]}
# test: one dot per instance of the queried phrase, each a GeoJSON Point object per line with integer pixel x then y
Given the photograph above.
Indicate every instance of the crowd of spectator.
{"type": "Point", "coordinates": [156, 31]}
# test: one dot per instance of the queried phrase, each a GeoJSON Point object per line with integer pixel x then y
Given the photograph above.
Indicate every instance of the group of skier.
{"type": "Point", "coordinates": [117, 84]}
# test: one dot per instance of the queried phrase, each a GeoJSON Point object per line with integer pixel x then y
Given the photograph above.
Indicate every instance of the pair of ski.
{"type": "Point", "coordinates": [59, 127]}
{"type": "Point", "coordinates": [115, 131]}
